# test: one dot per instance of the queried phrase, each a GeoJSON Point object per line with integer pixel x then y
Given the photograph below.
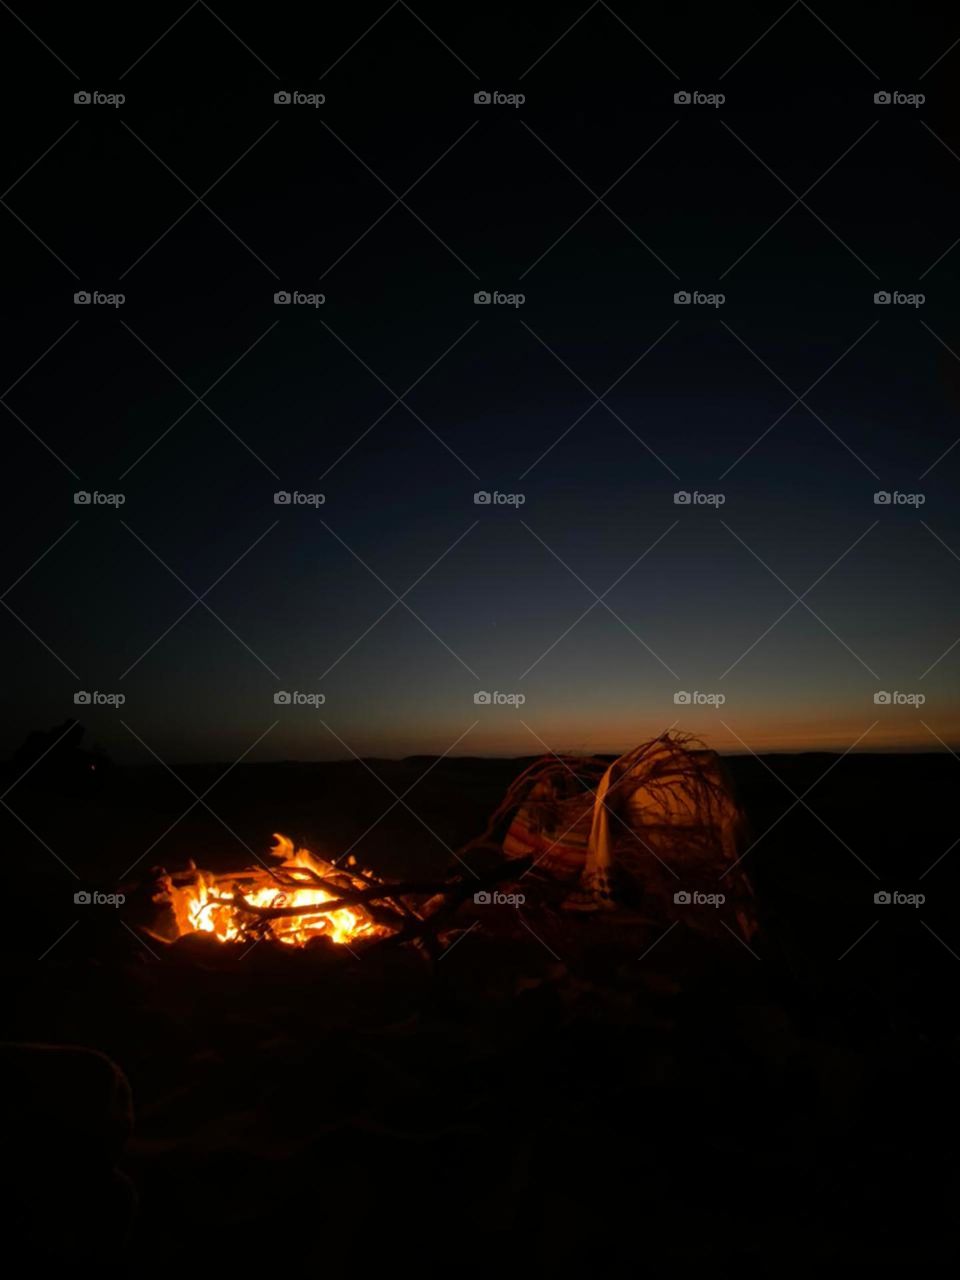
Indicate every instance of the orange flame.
{"type": "Point", "coordinates": [202, 906]}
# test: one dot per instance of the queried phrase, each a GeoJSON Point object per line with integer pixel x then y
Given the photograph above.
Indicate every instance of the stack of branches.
{"type": "Point", "coordinates": [660, 818]}
{"type": "Point", "coordinates": [666, 823]}
{"type": "Point", "coordinates": [416, 911]}
{"type": "Point", "coordinates": [670, 782]}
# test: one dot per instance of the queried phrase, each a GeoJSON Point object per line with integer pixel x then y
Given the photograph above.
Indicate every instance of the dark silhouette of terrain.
{"type": "Point", "coordinates": [550, 1089]}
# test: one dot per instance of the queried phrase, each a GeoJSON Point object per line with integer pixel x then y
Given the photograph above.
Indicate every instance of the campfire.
{"type": "Point", "coordinates": [303, 898]}
{"type": "Point", "coordinates": [644, 834]}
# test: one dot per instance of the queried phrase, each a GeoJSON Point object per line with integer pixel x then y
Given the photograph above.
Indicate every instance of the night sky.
{"type": "Point", "coordinates": [398, 199]}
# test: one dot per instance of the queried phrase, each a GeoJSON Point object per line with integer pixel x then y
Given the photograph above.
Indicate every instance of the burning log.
{"type": "Point", "coordinates": [306, 898]}
{"type": "Point", "coordinates": [302, 898]}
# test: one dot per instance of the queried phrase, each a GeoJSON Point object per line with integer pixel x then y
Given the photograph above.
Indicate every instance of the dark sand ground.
{"type": "Point", "coordinates": [568, 1097]}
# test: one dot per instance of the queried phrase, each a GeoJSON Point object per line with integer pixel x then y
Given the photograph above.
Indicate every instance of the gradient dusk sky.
{"type": "Point", "coordinates": [600, 598]}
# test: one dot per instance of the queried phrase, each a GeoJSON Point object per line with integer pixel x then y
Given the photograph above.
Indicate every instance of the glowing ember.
{"type": "Point", "coordinates": [228, 906]}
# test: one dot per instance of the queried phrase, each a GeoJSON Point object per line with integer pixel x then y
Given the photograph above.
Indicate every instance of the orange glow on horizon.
{"type": "Point", "coordinates": [886, 730]}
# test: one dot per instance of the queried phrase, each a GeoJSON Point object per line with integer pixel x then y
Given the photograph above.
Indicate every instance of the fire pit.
{"type": "Point", "coordinates": [305, 900]}
{"type": "Point", "coordinates": [302, 898]}
{"type": "Point", "coordinates": [655, 836]}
